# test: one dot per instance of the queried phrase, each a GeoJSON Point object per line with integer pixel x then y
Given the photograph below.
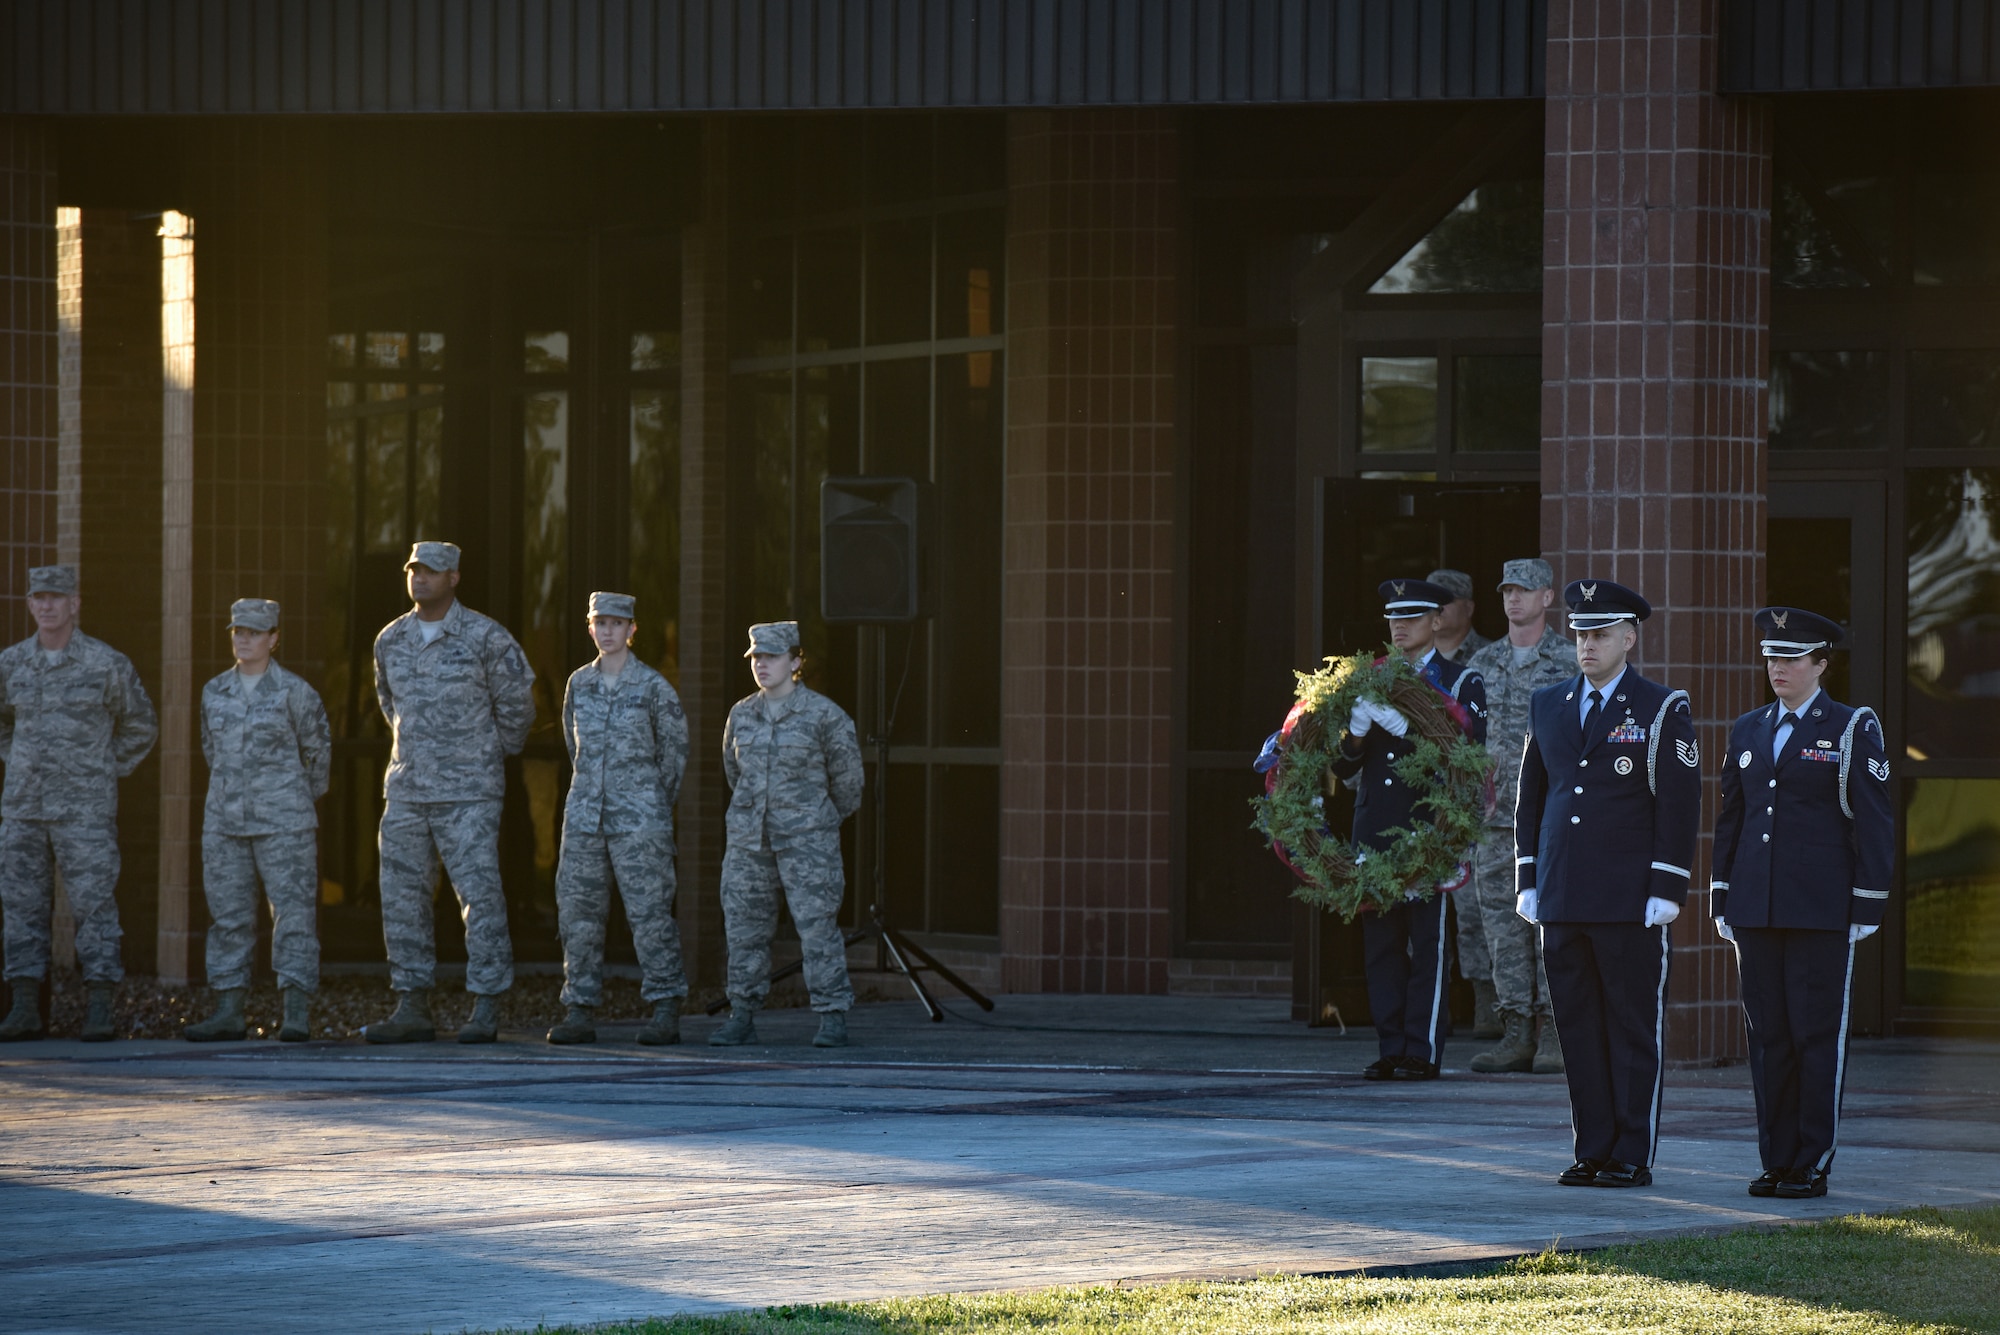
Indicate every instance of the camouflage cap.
{"type": "Point", "coordinates": [253, 614]}
{"type": "Point", "coordinates": [51, 579]}
{"type": "Point", "coordinates": [1528, 573]}
{"type": "Point", "coordinates": [614, 605]}
{"type": "Point", "coordinates": [773, 637]}
{"type": "Point", "coordinates": [1457, 581]}
{"type": "Point", "coordinates": [436, 555]}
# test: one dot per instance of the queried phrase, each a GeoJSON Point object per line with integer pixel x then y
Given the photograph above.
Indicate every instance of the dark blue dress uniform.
{"type": "Point", "coordinates": [1605, 821]}
{"type": "Point", "coordinates": [1404, 947]}
{"type": "Point", "coordinates": [1804, 849]}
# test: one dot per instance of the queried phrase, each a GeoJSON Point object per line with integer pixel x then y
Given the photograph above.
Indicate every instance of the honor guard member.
{"type": "Point", "coordinates": [793, 764]}
{"type": "Point", "coordinates": [1405, 945]}
{"type": "Point", "coordinates": [1804, 849]}
{"type": "Point", "coordinates": [74, 720]}
{"type": "Point", "coordinates": [628, 741]}
{"type": "Point", "coordinates": [270, 754]}
{"type": "Point", "coordinates": [1457, 641]}
{"type": "Point", "coordinates": [1533, 655]}
{"type": "Point", "coordinates": [1604, 834]}
{"type": "Point", "coordinates": [459, 697]}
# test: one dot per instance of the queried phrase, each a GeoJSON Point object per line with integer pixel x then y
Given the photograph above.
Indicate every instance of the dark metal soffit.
{"type": "Point", "coordinates": [1781, 46]}
{"type": "Point", "coordinates": [206, 57]}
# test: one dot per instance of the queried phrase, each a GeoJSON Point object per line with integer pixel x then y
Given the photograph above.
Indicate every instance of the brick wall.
{"type": "Point", "coordinates": [1655, 354]}
{"type": "Point", "coordinates": [28, 361]}
{"type": "Point", "coordinates": [1091, 306]}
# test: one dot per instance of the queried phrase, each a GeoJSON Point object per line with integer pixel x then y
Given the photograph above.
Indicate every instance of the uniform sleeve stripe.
{"type": "Point", "coordinates": [1528, 861]}
{"type": "Point", "coordinates": [1718, 885]}
{"type": "Point", "coordinates": [1870, 894]}
{"type": "Point", "coordinates": [1681, 872]}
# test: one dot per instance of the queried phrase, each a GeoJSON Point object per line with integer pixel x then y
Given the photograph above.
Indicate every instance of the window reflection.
{"type": "Point", "coordinates": [1955, 399]}
{"type": "Point", "coordinates": [1497, 404]}
{"type": "Point", "coordinates": [545, 353]}
{"type": "Point", "coordinates": [1954, 614]}
{"type": "Point", "coordinates": [1829, 400]}
{"type": "Point", "coordinates": [656, 349]}
{"type": "Point", "coordinates": [1951, 917]}
{"type": "Point", "coordinates": [545, 544]}
{"type": "Point", "coordinates": [1398, 404]}
{"type": "Point", "coordinates": [656, 526]}
{"type": "Point", "coordinates": [1492, 242]}
{"type": "Point", "coordinates": [1952, 238]}
{"type": "Point", "coordinates": [1804, 251]}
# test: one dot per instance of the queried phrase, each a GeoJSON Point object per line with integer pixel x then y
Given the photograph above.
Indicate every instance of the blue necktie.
{"type": "Point", "coordinates": [1592, 717]}
{"type": "Point", "coordinates": [1782, 734]}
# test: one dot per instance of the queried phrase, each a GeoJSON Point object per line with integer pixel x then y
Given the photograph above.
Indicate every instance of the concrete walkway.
{"type": "Point", "coordinates": [163, 1187]}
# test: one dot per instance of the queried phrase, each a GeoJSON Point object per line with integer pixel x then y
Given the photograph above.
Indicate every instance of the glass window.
{"type": "Point", "coordinates": [1496, 404]}
{"type": "Point", "coordinates": [1492, 242]}
{"type": "Point", "coordinates": [1951, 916]}
{"type": "Point", "coordinates": [1804, 253]}
{"type": "Point", "coordinates": [1955, 229]}
{"type": "Point", "coordinates": [899, 281]}
{"type": "Point", "coordinates": [1955, 399]}
{"type": "Point", "coordinates": [970, 474]}
{"type": "Point", "coordinates": [545, 546]}
{"type": "Point", "coordinates": [764, 427]}
{"type": "Point", "coordinates": [970, 247]}
{"type": "Point", "coordinates": [1953, 700]}
{"type": "Point", "coordinates": [1829, 400]}
{"type": "Point", "coordinates": [1810, 563]}
{"type": "Point", "coordinates": [655, 552]}
{"type": "Point", "coordinates": [1398, 404]}
{"type": "Point", "coordinates": [761, 314]}
{"type": "Point", "coordinates": [829, 290]}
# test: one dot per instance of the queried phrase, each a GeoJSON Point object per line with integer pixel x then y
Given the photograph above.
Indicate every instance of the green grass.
{"type": "Point", "coordinates": [1923, 1271]}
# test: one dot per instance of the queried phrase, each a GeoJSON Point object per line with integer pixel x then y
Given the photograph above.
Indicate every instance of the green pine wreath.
{"type": "Point", "coordinates": [1446, 769]}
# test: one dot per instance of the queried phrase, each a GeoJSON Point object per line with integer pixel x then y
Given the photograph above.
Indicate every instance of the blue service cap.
{"type": "Point", "coordinates": [1793, 632]}
{"type": "Point", "coordinates": [1403, 598]}
{"type": "Point", "coordinates": [1597, 603]}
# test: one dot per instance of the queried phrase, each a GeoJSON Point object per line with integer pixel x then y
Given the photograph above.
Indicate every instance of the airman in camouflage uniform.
{"type": "Point", "coordinates": [73, 721]}
{"type": "Point", "coordinates": [628, 742]}
{"type": "Point", "coordinates": [459, 697]}
{"type": "Point", "coordinates": [793, 764]}
{"type": "Point", "coordinates": [1455, 619]}
{"type": "Point", "coordinates": [264, 735]}
{"type": "Point", "coordinates": [1513, 675]}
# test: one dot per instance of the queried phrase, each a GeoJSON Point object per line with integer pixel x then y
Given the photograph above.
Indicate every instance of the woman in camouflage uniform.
{"type": "Point", "coordinates": [793, 764]}
{"type": "Point", "coordinates": [628, 741]}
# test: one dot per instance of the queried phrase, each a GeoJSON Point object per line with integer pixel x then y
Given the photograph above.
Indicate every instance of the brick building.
{"type": "Point", "coordinates": [1202, 316]}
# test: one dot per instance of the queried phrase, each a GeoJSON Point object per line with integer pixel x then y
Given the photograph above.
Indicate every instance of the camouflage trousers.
{"type": "Point", "coordinates": [1515, 946]}
{"type": "Point", "coordinates": [465, 837]}
{"type": "Point", "coordinates": [86, 852]}
{"type": "Point", "coordinates": [1468, 912]}
{"type": "Point", "coordinates": [812, 882]}
{"type": "Point", "coordinates": [642, 866]}
{"type": "Point", "coordinates": [288, 865]}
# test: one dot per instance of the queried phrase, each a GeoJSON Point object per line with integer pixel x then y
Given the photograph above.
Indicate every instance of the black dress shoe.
{"type": "Point", "coordinates": [1802, 1184]}
{"type": "Point", "coordinates": [1380, 1069]}
{"type": "Point", "coordinates": [1766, 1182]}
{"type": "Point", "coordinates": [1580, 1174]}
{"type": "Point", "coordinates": [1414, 1068]}
{"type": "Point", "coordinates": [1616, 1174]}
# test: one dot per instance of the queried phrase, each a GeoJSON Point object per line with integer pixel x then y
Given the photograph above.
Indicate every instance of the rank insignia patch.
{"type": "Point", "coordinates": [1689, 752]}
{"type": "Point", "coordinates": [1880, 769]}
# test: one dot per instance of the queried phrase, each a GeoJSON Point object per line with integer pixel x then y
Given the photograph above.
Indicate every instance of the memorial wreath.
{"type": "Point", "coordinates": [1446, 769]}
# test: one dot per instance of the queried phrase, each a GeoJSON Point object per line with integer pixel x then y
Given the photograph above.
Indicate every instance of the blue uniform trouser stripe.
{"type": "Point", "coordinates": [1797, 991]}
{"type": "Point", "coordinates": [1404, 949]}
{"type": "Point", "coordinates": [1607, 985]}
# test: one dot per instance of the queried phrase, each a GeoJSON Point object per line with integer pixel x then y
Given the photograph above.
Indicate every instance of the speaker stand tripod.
{"type": "Point", "coordinates": [893, 950]}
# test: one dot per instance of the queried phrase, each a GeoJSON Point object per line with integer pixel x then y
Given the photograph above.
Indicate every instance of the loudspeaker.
{"type": "Point", "coordinates": [874, 550]}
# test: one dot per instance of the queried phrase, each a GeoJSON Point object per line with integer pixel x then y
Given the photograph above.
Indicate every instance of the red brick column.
{"type": "Point", "coordinates": [711, 674]}
{"type": "Point", "coordinates": [28, 361]}
{"type": "Point", "coordinates": [1092, 253]}
{"type": "Point", "coordinates": [1654, 355]}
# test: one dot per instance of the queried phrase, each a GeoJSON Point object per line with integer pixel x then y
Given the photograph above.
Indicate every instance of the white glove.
{"type": "Point", "coordinates": [1659, 911]}
{"type": "Point", "coordinates": [1525, 905]}
{"type": "Point", "coordinates": [1390, 718]}
{"type": "Point", "coordinates": [1857, 932]}
{"type": "Point", "coordinates": [1725, 931]}
{"type": "Point", "coordinates": [1360, 720]}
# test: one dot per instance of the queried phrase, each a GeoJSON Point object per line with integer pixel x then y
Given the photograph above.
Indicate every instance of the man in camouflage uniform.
{"type": "Point", "coordinates": [1457, 641]}
{"type": "Point", "coordinates": [1534, 654]}
{"type": "Point", "coordinates": [269, 752]}
{"type": "Point", "coordinates": [793, 764]}
{"type": "Point", "coordinates": [73, 721]}
{"type": "Point", "coordinates": [628, 742]}
{"type": "Point", "coordinates": [459, 697]}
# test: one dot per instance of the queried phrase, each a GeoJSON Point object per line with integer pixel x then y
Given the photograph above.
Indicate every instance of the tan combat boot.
{"type": "Point", "coordinates": [297, 1026]}
{"type": "Point", "coordinates": [578, 1025]}
{"type": "Point", "coordinates": [410, 1022]}
{"type": "Point", "coordinates": [226, 1024]}
{"type": "Point", "coordinates": [740, 1028]}
{"type": "Point", "coordinates": [98, 1026]}
{"type": "Point", "coordinates": [665, 1026]}
{"type": "Point", "coordinates": [25, 1020]}
{"type": "Point", "coordinates": [1514, 1052]}
{"type": "Point", "coordinates": [1486, 1021]}
{"type": "Point", "coordinates": [1549, 1049]}
{"type": "Point", "coordinates": [483, 1025]}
